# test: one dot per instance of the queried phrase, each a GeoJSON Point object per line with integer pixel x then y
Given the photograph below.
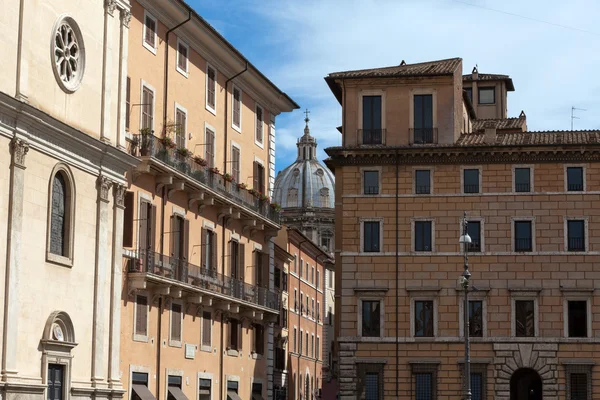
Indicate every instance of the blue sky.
{"type": "Point", "coordinates": [554, 65]}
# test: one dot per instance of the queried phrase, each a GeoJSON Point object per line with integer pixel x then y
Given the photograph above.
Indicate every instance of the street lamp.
{"type": "Point", "coordinates": [464, 240]}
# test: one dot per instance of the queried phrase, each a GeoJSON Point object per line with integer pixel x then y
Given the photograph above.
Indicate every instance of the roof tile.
{"type": "Point", "coordinates": [430, 68]}
{"type": "Point", "coordinates": [532, 138]}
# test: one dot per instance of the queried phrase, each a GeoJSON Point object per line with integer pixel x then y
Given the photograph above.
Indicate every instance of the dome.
{"type": "Point", "coordinates": [306, 183]}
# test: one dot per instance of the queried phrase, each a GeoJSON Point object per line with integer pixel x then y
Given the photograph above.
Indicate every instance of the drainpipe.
{"type": "Point", "coordinates": [397, 282]}
{"type": "Point", "coordinates": [166, 87]}
{"type": "Point", "coordinates": [226, 128]}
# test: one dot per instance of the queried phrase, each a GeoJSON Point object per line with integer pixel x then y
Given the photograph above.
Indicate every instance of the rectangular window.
{"type": "Point", "coordinates": [525, 318]}
{"type": "Point", "coordinates": [294, 348]}
{"type": "Point", "coordinates": [312, 275]}
{"type": "Point", "coordinates": [259, 177]}
{"type": "Point", "coordinates": [424, 386]}
{"type": "Point", "coordinates": [233, 334]}
{"type": "Point", "coordinates": [577, 310]}
{"type": "Point", "coordinates": [330, 316]}
{"type": "Point", "coordinates": [318, 312]}
{"type": "Point", "coordinates": [236, 117]}
{"type": "Point", "coordinates": [423, 119]}
{"type": "Point", "coordinates": [318, 283]}
{"type": "Point", "coordinates": [371, 242]}
{"type": "Point", "coordinates": [371, 122]}
{"type": "Point", "coordinates": [371, 182]}
{"type": "Point", "coordinates": [575, 179]}
{"type": "Point", "coordinates": [55, 381]}
{"type": "Point", "coordinates": [578, 386]}
{"type": "Point", "coordinates": [176, 322]}
{"type": "Point", "coordinates": [256, 388]}
{"type": "Point", "coordinates": [372, 386]}
{"type": "Point", "coordinates": [476, 318]}
{"type": "Point", "coordinates": [128, 103]}
{"type": "Point", "coordinates": [424, 318]}
{"type": "Point", "coordinates": [211, 88]}
{"type": "Point", "coordinates": [523, 236]}
{"type": "Point", "coordinates": [259, 124]}
{"type": "Point", "coordinates": [487, 95]}
{"type": "Point", "coordinates": [209, 147]}
{"type": "Point", "coordinates": [206, 328]}
{"type": "Point", "coordinates": [423, 236]}
{"type": "Point", "coordinates": [180, 128]}
{"type": "Point", "coordinates": [522, 180]}
{"type": "Point", "coordinates": [233, 386]}
{"type": "Point", "coordinates": [204, 392]}
{"type": "Point", "coordinates": [371, 318]}
{"type": "Point", "coordinates": [576, 235]}
{"type": "Point", "coordinates": [474, 232]}
{"type": "Point", "coordinates": [296, 300]}
{"type": "Point", "coordinates": [469, 91]}
{"type": "Point", "coordinates": [422, 181]}
{"type": "Point", "coordinates": [318, 349]}
{"type": "Point", "coordinates": [147, 109]}
{"type": "Point", "coordinates": [306, 345]}
{"type": "Point", "coordinates": [235, 163]}
{"type": "Point", "coordinates": [141, 315]}
{"type": "Point", "coordinates": [477, 386]}
{"type": "Point", "coordinates": [150, 31]}
{"type": "Point", "coordinates": [330, 280]}
{"type": "Point", "coordinates": [313, 308]}
{"type": "Point", "coordinates": [182, 57]}
{"type": "Point", "coordinates": [284, 281]}
{"type": "Point", "coordinates": [259, 339]}
{"type": "Point", "coordinates": [300, 349]}
{"type": "Point", "coordinates": [284, 315]}
{"type": "Point", "coordinates": [173, 382]}
{"type": "Point", "coordinates": [312, 345]}
{"type": "Point", "coordinates": [208, 249]}
{"type": "Point", "coordinates": [277, 278]}
{"type": "Point", "coordinates": [471, 181]}
{"type": "Point", "coordinates": [128, 219]}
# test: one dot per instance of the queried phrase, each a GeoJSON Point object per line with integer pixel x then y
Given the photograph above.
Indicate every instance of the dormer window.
{"type": "Point", "coordinates": [487, 95]}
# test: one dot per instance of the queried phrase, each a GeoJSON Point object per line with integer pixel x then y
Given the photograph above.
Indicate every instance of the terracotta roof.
{"type": "Point", "coordinates": [518, 123]}
{"type": "Point", "coordinates": [491, 77]}
{"type": "Point", "coordinates": [429, 68]}
{"type": "Point", "coordinates": [532, 138]}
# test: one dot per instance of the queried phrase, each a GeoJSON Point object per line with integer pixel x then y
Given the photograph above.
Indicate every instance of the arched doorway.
{"type": "Point", "coordinates": [525, 384]}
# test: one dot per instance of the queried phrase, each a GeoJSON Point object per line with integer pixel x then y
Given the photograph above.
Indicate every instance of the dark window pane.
{"type": "Point", "coordinates": [469, 93]}
{"type": "Point", "coordinates": [370, 318]}
{"type": "Point", "coordinates": [476, 386]}
{"type": "Point", "coordinates": [577, 318]}
{"type": "Point", "coordinates": [174, 381]}
{"type": "Point", "coordinates": [422, 181]}
{"type": "Point", "coordinates": [139, 378]}
{"type": "Point", "coordinates": [522, 180]}
{"type": "Point", "coordinates": [525, 318]}
{"type": "Point", "coordinates": [487, 95]}
{"type": "Point", "coordinates": [423, 236]}
{"type": "Point", "coordinates": [58, 218]}
{"type": "Point", "coordinates": [474, 231]}
{"type": "Point", "coordinates": [475, 318]}
{"type": "Point", "coordinates": [423, 386]}
{"type": "Point", "coordinates": [372, 133]}
{"type": "Point", "coordinates": [579, 386]}
{"type": "Point", "coordinates": [371, 386]}
{"type": "Point", "coordinates": [424, 318]}
{"type": "Point", "coordinates": [423, 118]}
{"type": "Point", "coordinates": [576, 235]}
{"type": "Point", "coordinates": [575, 179]}
{"type": "Point", "coordinates": [471, 180]}
{"type": "Point", "coordinates": [371, 236]}
{"type": "Point", "coordinates": [523, 240]}
{"type": "Point", "coordinates": [371, 182]}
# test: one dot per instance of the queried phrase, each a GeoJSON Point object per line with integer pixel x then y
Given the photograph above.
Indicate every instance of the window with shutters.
{"type": "Point", "coordinates": [182, 57]}
{"type": "Point", "coordinates": [235, 163]}
{"type": "Point", "coordinates": [180, 126]}
{"type": "Point", "coordinates": [294, 337]}
{"type": "Point", "coordinates": [312, 345]}
{"type": "Point", "coordinates": [211, 89]}
{"type": "Point", "coordinates": [259, 177]}
{"type": "Point", "coordinates": [234, 334]}
{"type": "Point", "coordinates": [55, 381]}
{"type": "Point", "coordinates": [176, 325]}
{"type": "Point", "coordinates": [261, 267]}
{"type": "Point", "coordinates": [173, 381]}
{"type": "Point", "coordinates": [146, 236]}
{"type": "Point", "coordinates": [209, 146]}
{"type": "Point", "coordinates": [150, 29]}
{"type": "Point", "coordinates": [209, 249]}
{"type": "Point", "coordinates": [128, 219]}
{"type": "Point", "coordinates": [318, 282]}
{"type": "Point", "coordinates": [61, 217]}
{"type": "Point", "coordinates": [258, 137]}
{"type": "Point", "coordinates": [205, 389]}
{"type": "Point", "coordinates": [318, 349]}
{"type": "Point", "coordinates": [236, 116]}
{"type": "Point", "coordinates": [147, 115]}
{"type": "Point", "coordinates": [179, 233]}
{"type": "Point", "coordinates": [306, 344]}
{"type": "Point", "coordinates": [141, 318]}
{"type": "Point", "coordinates": [206, 330]}
{"type": "Point", "coordinates": [259, 339]}
{"type": "Point", "coordinates": [284, 281]}
{"type": "Point", "coordinates": [300, 349]}
{"type": "Point", "coordinates": [128, 103]}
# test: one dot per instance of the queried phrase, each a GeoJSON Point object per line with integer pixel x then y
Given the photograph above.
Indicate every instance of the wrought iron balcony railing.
{"type": "Point", "coordinates": [423, 135]}
{"type": "Point", "coordinates": [203, 278]}
{"type": "Point", "coordinates": [576, 244]}
{"type": "Point", "coordinates": [371, 136]}
{"type": "Point", "coordinates": [148, 145]}
{"type": "Point", "coordinates": [523, 245]}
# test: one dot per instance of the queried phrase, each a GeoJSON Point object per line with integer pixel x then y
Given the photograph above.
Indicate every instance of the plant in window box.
{"type": "Point", "coordinates": [276, 207]}
{"type": "Point", "coordinates": [254, 192]}
{"type": "Point", "coordinates": [228, 177]}
{"type": "Point", "coordinates": [242, 186]}
{"type": "Point", "coordinates": [200, 161]}
{"type": "Point", "coordinates": [263, 197]}
{"type": "Point", "coordinates": [167, 142]}
{"type": "Point", "coordinates": [214, 170]}
{"type": "Point", "coordinates": [183, 152]}
{"type": "Point", "coordinates": [146, 141]}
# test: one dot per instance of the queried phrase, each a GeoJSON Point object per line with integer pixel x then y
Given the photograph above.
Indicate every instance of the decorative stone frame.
{"type": "Point", "coordinates": [481, 221]}
{"type": "Point", "coordinates": [531, 178]}
{"type": "Point", "coordinates": [176, 343]}
{"type": "Point", "coordinates": [581, 367]}
{"type": "Point", "coordinates": [233, 125]}
{"type": "Point", "coordinates": [577, 295]}
{"type": "Point", "coordinates": [56, 351]}
{"type": "Point", "coordinates": [209, 108]}
{"type": "Point", "coordinates": [566, 180]}
{"type": "Point", "coordinates": [585, 220]}
{"type": "Point", "coordinates": [148, 46]}
{"type": "Point", "coordinates": [68, 87]}
{"type": "Point", "coordinates": [462, 179]}
{"type": "Point", "coordinates": [526, 294]}
{"type": "Point", "coordinates": [423, 294]}
{"type": "Point", "coordinates": [260, 144]}
{"type": "Point", "coordinates": [362, 235]}
{"type": "Point", "coordinates": [184, 72]}
{"type": "Point", "coordinates": [413, 234]}
{"type": "Point", "coordinates": [424, 367]}
{"type": "Point", "coordinates": [204, 375]}
{"type": "Point", "coordinates": [513, 237]}
{"type": "Point", "coordinates": [172, 372]}
{"type": "Point", "coordinates": [370, 294]}
{"type": "Point", "coordinates": [70, 197]}
{"type": "Point", "coordinates": [138, 368]}
{"type": "Point", "coordinates": [137, 337]}
{"type": "Point", "coordinates": [479, 295]}
{"type": "Point", "coordinates": [362, 369]}
{"type": "Point", "coordinates": [379, 171]}
{"type": "Point", "coordinates": [414, 180]}
{"type": "Point", "coordinates": [372, 92]}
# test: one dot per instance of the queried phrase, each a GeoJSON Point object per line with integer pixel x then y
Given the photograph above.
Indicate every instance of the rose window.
{"type": "Point", "coordinates": [68, 54]}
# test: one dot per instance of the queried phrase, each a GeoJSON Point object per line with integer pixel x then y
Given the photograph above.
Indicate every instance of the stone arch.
{"type": "Point", "coordinates": [68, 234]}
{"type": "Point", "coordinates": [59, 324]}
{"type": "Point", "coordinates": [526, 384]}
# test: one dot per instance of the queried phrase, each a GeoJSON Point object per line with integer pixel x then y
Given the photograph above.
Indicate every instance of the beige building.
{"type": "Point", "coordinates": [414, 158]}
{"type": "Point", "coordinates": [62, 197]}
{"type": "Point", "coordinates": [199, 299]}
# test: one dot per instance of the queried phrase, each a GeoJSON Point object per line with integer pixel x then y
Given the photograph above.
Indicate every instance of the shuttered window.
{"type": "Point", "coordinates": [233, 334]}
{"type": "Point", "coordinates": [55, 381]}
{"type": "Point", "coordinates": [58, 221]}
{"type": "Point", "coordinates": [209, 249]}
{"type": "Point", "coordinates": [259, 124]}
{"type": "Point", "coordinates": [211, 94]}
{"type": "Point", "coordinates": [205, 389]}
{"type": "Point", "coordinates": [150, 31]}
{"type": "Point", "coordinates": [182, 56]}
{"type": "Point", "coordinates": [206, 328]}
{"type": "Point", "coordinates": [180, 128]}
{"type": "Point", "coordinates": [147, 108]}
{"type": "Point", "coordinates": [237, 108]}
{"type": "Point", "coordinates": [210, 147]}
{"type": "Point", "coordinates": [141, 315]}
{"type": "Point", "coordinates": [259, 177]}
{"type": "Point", "coordinates": [128, 220]}
{"type": "Point", "coordinates": [235, 163]}
{"type": "Point", "coordinates": [176, 322]}
{"type": "Point", "coordinates": [127, 103]}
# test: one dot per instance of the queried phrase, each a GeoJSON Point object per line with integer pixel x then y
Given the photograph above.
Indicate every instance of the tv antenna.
{"type": "Point", "coordinates": [573, 109]}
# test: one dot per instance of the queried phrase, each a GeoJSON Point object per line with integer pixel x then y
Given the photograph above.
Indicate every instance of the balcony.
{"type": "Point", "coordinates": [371, 136]}
{"type": "Point", "coordinates": [177, 276]}
{"type": "Point", "coordinates": [181, 171]}
{"type": "Point", "coordinates": [423, 135]}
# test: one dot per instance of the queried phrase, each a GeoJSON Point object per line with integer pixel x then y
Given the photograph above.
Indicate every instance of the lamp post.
{"type": "Point", "coordinates": [464, 240]}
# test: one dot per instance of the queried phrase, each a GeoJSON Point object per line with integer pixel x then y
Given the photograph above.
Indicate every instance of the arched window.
{"type": "Point", "coordinates": [61, 209]}
{"type": "Point", "coordinates": [57, 219]}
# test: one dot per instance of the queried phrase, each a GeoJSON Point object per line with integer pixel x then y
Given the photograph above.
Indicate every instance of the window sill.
{"type": "Point", "coordinates": [213, 111]}
{"type": "Point", "coordinates": [174, 343]}
{"type": "Point", "coordinates": [236, 128]}
{"type": "Point", "coordinates": [259, 144]}
{"type": "Point", "coordinates": [61, 260]}
{"type": "Point", "coordinates": [486, 104]}
{"type": "Point", "coordinates": [182, 72]}
{"type": "Point", "coordinates": [140, 338]}
{"type": "Point", "coordinates": [150, 48]}
{"type": "Point", "coordinates": [256, 356]}
{"type": "Point", "coordinates": [233, 353]}
{"type": "Point", "coordinates": [207, 349]}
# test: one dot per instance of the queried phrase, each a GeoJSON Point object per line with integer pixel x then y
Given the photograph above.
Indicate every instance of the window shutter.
{"type": "Point", "coordinates": [241, 262]}
{"type": "Point", "coordinates": [255, 176]}
{"type": "Point", "coordinates": [239, 334]}
{"type": "Point", "coordinates": [206, 328]}
{"type": "Point", "coordinates": [152, 229]}
{"type": "Point", "coordinates": [264, 257]}
{"type": "Point", "coordinates": [213, 257]}
{"type": "Point", "coordinates": [141, 316]}
{"type": "Point", "coordinates": [128, 220]}
{"type": "Point", "coordinates": [203, 248]}
{"type": "Point", "coordinates": [127, 102]}
{"type": "Point", "coordinates": [176, 322]}
{"type": "Point", "coordinates": [174, 236]}
{"type": "Point", "coordinates": [186, 239]}
{"type": "Point", "coordinates": [144, 243]}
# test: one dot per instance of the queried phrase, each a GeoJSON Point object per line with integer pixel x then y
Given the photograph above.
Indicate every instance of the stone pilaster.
{"type": "Point", "coordinates": [348, 373]}
{"type": "Point", "coordinates": [123, 54]}
{"type": "Point", "coordinates": [105, 128]}
{"type": "Point", "coordinates": [114, 342]}
{"type": "Point", "coordinates": [270, 330]}
{"type": "Point", "coordinates": [19, 149]}
{"type": "Point", "coordinates": [98, 344]}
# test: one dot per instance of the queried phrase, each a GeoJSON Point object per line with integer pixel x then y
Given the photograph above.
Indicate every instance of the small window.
{"type": "Point", "coordinates": [312, 275]}
{"type": "Point", "coordinates": [578, 386]}
{"type": "Point", "coordinates": [259, 125]}
{"type": "Point", "coordinates": [233, 334]}
{"type": "Point", "coordinates": [256, 388]}
{"type": "Point", "coordinates": [422, 181]}
{"type": "Point", "coordinates": [173, 381]}
{"type": "Point", "coordinates": [576, 235]}
{"type": "Point", "coordinates": [147, 109]}
{"type": "Point", "coordinates": [469, 91]}
{"type": "Point", "coordinates": [487, 95]}
{"type": "Point", "coordinates": [525, 318]}
{"type": "Point", "coordinates": [235, 163]}
{"type": "Point", "coordinates": [471, 181]}
{"type": "Point", "coordinates": [55, 381]}
{"type": "Point", "coordinates": [180, 127]}
{"type": "Point", "coordinates": [423, 236]}
{"type": "Point", "coordinates": [306, 345]}
{"type": "Point", "coordinates": [522, 180]}
{"type": "Point", "coordinates": [371, 315]}
{"type": "Point", "coordinates": [259, 177]}
{"type": "Point", "coordinates": [476, 318]}
{"type": "Point", "coordinates": [424, 386]}
{"type": "Point", "coordinates": [575, 179]}
{"type": "Point", "coordinates": [371, 182]}
{"type": "Point", "coordinates": [372, 389]}
{"type": "Point", "coordinates": [182, 57]}
{"type": "Point", "coordinates": [204, 390]}
{"type": "Point", "coordinates": [206, 328]}
{"type": "Point", "coordinates": [318, 282]}
{"type": "Point", "coordinates": [176, 322]}
{"type": "Point", "coordinates": [330, 316]}
{"type": "Point", "coordinates": [233, 386]}
{"type": "Point", "coordinates": [209, 147]}
{"type": "Point", "coordinates": [577, 314]}
{"type": "Point", "coordinates": [523, 236]}
{"type": "Point", "coordinates": [141, 315]}
{"type": "Point", "coordinates": [259, 339]}
{"type": "Point", "coordinates": [371, 242]}
{"type": "Point", "coordinates": [474, 231]}
{"type": "Point", "coordinates": [236, 117]}
{"type": "Point", "coordinates": [211, 89]}
{"type": "Point", "coordinates": [372, 120]}
{"type": "Point", "coordinates": [150, 31]}
{"type": "Point", "coordinates": [477, 386]}
{"type": "Point", "coordinates": [208, 250]}
{"type": "Point", "coordinates": [424, 318]}
{"type": "Point", "coordinates": [294, 348]}
{"type": "Point", "coordinates": [312, 345]}
{"type": "Point", "coordinates": [318, 349]}
{"type": "Point", "coordinates": [128, 219]}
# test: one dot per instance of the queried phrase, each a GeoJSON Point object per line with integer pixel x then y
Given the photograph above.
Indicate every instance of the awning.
{"type": "Point", "coordinates": [143, 392]}
{"type": "Point", "coordinates": [177, 393]}
{"type": "Point", "coordinates": [257, 396]}
{"type": "Point", "coordinates": [231, 395]}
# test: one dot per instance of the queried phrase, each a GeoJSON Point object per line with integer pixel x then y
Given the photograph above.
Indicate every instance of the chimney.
{"type": "Point", "coordinates": [475, 73]}
{"type": "Point", "coordinates": [489, 137]}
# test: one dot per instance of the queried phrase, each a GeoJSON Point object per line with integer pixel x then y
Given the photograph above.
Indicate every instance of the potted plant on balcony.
{"type": "Point", "coordinates": [276, 207]}
{"type": "Point", "coordinates": [263, 197]}
{"type": "Point", "coordinates": [145, 141]}
{"type": "Point", "coordinates": [183, 152]}
{"type": "Point", "coordinates": [242, 186]}
{"type": "Point", "coordinates": [254, 192]}
{"type": "Point", "coordinates": [182, 158]}
{"type": "Point", "coordinates": [200, 161]}
{"type": "Point", "coordinates": [167, 142]}
{"type": "Point", "coordinates": [228, 177]}
{"type": "Point", "coordinates": [214, 170]}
